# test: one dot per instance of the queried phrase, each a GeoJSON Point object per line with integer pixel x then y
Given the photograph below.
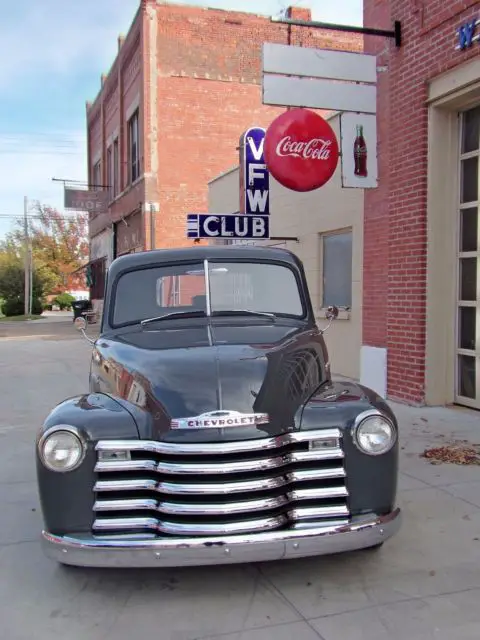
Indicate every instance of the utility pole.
{"type": "Point", "coordinates": [27, 256]}
{"type": "Point", "coordinates": [30, 275]}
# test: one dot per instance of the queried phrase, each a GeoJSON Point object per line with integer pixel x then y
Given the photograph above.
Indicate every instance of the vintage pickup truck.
{"type": "Point", "coordinates": [212, 431]}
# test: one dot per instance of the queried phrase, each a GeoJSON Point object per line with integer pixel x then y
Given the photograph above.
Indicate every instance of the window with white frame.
{"type": "Point", "coordinates": [336, 261]}
{"type": "Point", "coordinates": [133, 149]}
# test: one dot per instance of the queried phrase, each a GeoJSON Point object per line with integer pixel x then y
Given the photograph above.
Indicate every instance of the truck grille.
{"type": "Point", "coordinates": [147, 489]}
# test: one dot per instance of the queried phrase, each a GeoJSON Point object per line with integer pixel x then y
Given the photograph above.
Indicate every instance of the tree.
{"type": "Point", "coordinates": [12, 285]}
{"type": "Point", "coordinates": [12, 282]}
{"type": "Point", "coordinates": [59, 247]}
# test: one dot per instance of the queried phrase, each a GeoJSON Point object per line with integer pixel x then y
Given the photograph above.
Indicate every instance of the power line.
{"type": "Point", "coordinates": [12, 216]}
{"type": "Point", "coordinates": [42, 137]}
{"type": "Point", "coordinates": [39, 152]}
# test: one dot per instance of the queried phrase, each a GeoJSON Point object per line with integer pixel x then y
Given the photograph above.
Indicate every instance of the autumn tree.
{"type": "Point", "coordinates": [59, 247]}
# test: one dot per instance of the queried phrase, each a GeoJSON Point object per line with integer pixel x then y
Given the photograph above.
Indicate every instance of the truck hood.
{"type": "Point", "coordinates": [188, 371]}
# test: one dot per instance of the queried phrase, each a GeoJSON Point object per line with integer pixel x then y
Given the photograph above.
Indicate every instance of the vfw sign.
{"type": "Point", "coordinates": [254, 175]}
{"type": "Point", "coordinates": [467, 34]}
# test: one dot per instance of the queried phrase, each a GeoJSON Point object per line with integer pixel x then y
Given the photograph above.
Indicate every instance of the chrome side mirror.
{"type": "Point", "coordinates": [80, 324]}
{"type": "Point", "coordinates": [331, 315]}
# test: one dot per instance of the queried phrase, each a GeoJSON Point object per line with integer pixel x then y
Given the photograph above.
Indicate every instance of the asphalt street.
{"type": "Point", "coordinates": [422, 585]}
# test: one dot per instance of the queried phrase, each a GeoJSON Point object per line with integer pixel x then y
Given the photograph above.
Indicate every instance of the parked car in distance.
{"type": "Point", "coordinates": [212, 431]}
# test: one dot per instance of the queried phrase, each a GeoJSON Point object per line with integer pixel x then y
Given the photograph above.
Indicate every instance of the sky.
{"type": "Point", "coordinates": [52, 54]}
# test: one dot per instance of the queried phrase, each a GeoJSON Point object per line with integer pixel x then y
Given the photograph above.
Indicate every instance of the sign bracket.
{"type": "Point", "coordinates": [81, 182]}
{"type": "Point", "coordinates": [395, 33]}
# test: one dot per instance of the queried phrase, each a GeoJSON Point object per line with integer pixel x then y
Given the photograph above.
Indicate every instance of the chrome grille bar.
{"type": "Point", "coordinates": [218, 448]}
{"type": "Point", "coordinates": [209, 468]}
{"type": "Point", "coordinates": [309, 513]}
{"type": "Point", "coordinates": [173, 528]}
{"type": "Point", "coordinates": [186, 509]}
{"type": "Point", "coordinates": [222, 488]}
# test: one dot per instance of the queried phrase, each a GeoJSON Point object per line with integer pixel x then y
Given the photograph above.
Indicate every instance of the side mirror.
{"type": "Point", "coordinates": [80, 324]}
{"type": "Point", "coordinates": [331, 315]}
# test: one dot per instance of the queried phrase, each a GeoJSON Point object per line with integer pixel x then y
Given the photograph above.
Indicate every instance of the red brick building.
{"type": "Point", "coordinates": [421, 309]}
{"type": "Point", "coordinates": [185, 84]}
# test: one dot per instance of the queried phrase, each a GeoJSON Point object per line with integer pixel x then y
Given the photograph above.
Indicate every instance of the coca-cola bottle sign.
{"type": "Point", "coordinates": [301, 150]}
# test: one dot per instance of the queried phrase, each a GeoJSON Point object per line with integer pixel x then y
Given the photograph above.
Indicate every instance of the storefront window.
{"type": "Point", "coordinates": [337, 269]}
{"type": "Point", "coordinates": [467, 390]}
{"type": "Point", "coordinates": [468, 229]}
{"type": "Point", "coordinates": [471, 133]}
{"type": "Point", "coordinates": [469, 181]}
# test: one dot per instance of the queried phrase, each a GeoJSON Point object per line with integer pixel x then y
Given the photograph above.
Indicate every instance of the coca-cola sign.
{"type": "Point", "coordinates": [316, 148]}
{"type": "Point", "coordinates": [301, 150]}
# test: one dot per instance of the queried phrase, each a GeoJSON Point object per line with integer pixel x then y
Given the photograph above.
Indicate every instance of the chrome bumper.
{"type": "Point", "coordinates": [88, 551]}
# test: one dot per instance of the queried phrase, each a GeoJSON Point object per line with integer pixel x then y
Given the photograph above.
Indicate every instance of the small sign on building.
{"type": "Point", "coordinates": [88, 200]}
{"type": "Point", "coordinates": [254, 176]}
{"type": "Point", "coordinates": [358, 141]}
{"type": "Point", "coordinates": [207, 225]}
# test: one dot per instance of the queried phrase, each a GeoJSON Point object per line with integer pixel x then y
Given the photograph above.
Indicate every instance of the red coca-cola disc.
{"type": "Point", "coordinates": [301, 150]}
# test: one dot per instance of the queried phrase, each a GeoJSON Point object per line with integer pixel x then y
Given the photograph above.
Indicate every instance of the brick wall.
{"type": "Point", "coordinates": [395, 213]}
{"type": "Point", "coordinates": [208, 94]}
{"type": "Point", "coordinates": [208, 91]}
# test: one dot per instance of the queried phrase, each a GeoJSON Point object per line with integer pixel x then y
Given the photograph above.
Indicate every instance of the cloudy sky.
{"type": "Point", "coordinates": [51, 56]}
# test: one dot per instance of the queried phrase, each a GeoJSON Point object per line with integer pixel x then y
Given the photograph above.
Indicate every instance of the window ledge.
{"type": "Point", "coordinates": [343, 314]}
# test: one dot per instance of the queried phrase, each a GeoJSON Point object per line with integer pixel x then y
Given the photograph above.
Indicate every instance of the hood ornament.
{"type": "Point", "coordinates": [220, 420]}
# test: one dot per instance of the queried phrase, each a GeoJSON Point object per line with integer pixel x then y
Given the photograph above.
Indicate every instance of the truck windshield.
{"type": "Point", "coordinates": [257, 287]}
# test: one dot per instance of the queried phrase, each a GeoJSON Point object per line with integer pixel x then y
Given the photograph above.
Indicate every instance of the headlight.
{"type": "Point", "coordinates": [374, 434]}
{"type": "Point", "coordinates": [61, 449]}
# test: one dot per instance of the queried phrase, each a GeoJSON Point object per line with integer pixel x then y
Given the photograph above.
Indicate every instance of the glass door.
{"type": "Point", "coordinates": [467, 378]}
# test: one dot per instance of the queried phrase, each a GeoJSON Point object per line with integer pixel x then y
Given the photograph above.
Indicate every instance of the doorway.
{"type": "Point", "coordinates": [467, 365]}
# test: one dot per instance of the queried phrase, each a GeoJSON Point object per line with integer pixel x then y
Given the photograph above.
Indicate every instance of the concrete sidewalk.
{"type": "Point", "coordinates": [428, 427]}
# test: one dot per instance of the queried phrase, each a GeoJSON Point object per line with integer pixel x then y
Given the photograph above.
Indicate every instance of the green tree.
{"type": "Point", "coordinates": [12, 282]}
{"type": "Point", "coordinates": [64, 301]}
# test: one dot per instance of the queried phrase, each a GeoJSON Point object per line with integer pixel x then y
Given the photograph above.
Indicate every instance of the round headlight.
{"type": "Point", "coordinates": [374, 435]}
{"type": "Point", "coordinates": [61, 450]}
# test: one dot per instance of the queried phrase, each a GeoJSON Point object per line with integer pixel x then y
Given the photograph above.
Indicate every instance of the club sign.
{"type": "Point", "coordinates": [207, 225]}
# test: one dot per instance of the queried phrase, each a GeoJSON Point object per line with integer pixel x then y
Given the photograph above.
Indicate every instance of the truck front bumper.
{"type": "Point", "coordinates": [88, 551]}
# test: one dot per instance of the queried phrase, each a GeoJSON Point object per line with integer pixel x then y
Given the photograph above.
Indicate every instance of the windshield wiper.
{"type": "Point", "coordinates": [174, 314]}
{"type": "Point", "coordinates": [244, 312]}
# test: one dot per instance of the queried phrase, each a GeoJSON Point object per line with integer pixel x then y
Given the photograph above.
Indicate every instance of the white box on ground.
{"type": "Point", "coordinates": [373, 369]}
{"type": "Point", "coordinates": [319, 63]}
{"type": "Point", "coordinates": [318, 94]}
{"type": "Point", "coordinates": [358, 142]}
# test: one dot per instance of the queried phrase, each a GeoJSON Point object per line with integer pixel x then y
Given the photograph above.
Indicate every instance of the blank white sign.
{"type": "Point", "coordinates": [318, 94]}
{"type": "Point", "coordinates": [319, 63]}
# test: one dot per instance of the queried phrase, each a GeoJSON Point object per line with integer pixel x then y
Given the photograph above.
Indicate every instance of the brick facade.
{"type": "Point", "coordinates": [394, 307]}
{"type": "Point", "coordinates": [198, 74]}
